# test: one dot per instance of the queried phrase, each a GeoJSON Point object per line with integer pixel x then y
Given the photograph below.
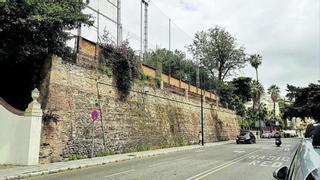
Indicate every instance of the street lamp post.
{"type": "Point", "coordinates": [201, 110]}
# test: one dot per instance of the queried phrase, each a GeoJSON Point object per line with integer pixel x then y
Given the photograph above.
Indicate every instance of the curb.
{"type": "Point", "coordinates": [84, 163]}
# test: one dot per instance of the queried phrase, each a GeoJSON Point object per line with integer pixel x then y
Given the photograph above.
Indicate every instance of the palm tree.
{"type": "Point", "coordinates": [255, 61]}
{"type": "Point", "coordinates": [256, 91]}
{"type": "Point", "coordinates": [274, 92]}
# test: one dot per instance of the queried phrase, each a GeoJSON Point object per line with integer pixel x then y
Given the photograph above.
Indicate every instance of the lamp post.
{"type": "Point", "coordinates": [201, 110]}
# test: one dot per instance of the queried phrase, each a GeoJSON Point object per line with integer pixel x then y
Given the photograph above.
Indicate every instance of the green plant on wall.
{"type": "Point", "coordinates": [105, 69]}
{"type": "Point", "coordinates": [158, 82]}
{"type": "Point", "coordinates": [124, 64]}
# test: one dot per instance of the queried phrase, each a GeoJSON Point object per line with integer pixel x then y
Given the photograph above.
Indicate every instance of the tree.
{"type": "Point", "coordinates": [242, 88]}
{"type": "Point", "coordinates": [256, 91]}
{"type": "Point", "coordinates": [274, 92]}
{"type": "Point", "coordinates": [217, 51]}
{"type": "Point", "coordinates": [30, 31]}
{"type": "Point", "coordinates": [175, 64]}
{"type": "Point", "coordinates": [305, 102]}
{"type": "Point", "coordinates": [282, 107]}
{"type": "Point", "coordinates": [255, 61]}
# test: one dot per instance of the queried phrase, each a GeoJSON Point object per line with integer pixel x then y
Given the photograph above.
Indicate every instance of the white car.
{"type": "Point", "coordinates": [266, 135]}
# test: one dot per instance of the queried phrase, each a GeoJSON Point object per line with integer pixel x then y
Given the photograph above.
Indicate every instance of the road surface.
{"type": "Point", "coordinates": [229, 161]}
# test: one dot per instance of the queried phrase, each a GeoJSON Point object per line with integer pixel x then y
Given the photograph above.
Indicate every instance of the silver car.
{"type": "Point", "coordinates": [305, 164]}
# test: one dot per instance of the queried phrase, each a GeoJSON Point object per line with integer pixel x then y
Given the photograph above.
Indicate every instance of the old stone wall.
{"type": "Point", "coordinates": [150, 117]}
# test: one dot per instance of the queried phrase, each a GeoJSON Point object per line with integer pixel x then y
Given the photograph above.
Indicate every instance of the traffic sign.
{"type": "Point", "coordinates": [94, 115]}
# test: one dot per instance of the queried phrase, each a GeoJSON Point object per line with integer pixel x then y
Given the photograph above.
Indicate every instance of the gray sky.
{"type": "Point", "coordinates": [285, 32]}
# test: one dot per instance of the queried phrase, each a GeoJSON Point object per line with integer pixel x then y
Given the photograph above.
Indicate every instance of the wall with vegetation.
{"type": "Point", "coordinates": [149, 118]}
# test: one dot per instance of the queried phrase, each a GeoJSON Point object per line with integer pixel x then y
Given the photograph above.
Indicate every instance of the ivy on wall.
{"type": "Point", "coordinates": [125, 66]}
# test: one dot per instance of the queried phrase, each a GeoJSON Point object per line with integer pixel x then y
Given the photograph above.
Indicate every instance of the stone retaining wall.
{"type": "Point", "coordinates": [150, 117]}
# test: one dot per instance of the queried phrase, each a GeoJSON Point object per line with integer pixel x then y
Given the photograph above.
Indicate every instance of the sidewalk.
{"type": "Point", "coordinates": [29, 171]}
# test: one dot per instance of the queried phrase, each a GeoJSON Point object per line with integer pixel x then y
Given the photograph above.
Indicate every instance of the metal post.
{"type": "Point", "coordinates": [119, 33]}
{"type": "Point", "coordinates": [169, 34]}
{"type": "Point", "coordinates": [92, 143]}
{"type": "Point", "coordinates": [102, 127]}
{"type": "Point", "coordinates": [169, 48]}
{"type": "Point", "coordinates": [97, 43]}
{"type": "Point", "coordinates": [141, 32]}
{"type": "Point", "coordinates": [197, 79]}
{"type": "Point", "coordinates": [79, 36]}
{"type": "Point", "coordinates": [145, 29]}
{"type": "Point", "coordinates": [202, 133]}
{"type": "Point", "coordinates": [259, 96]}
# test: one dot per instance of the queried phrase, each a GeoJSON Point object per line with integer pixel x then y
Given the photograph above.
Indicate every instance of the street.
{"type": "Point", "coordinates": [229, 161]}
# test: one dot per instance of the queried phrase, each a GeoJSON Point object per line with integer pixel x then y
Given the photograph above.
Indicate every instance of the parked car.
{"type": "Point", "coordinates": [305, 164]}
{"type": "Point", "coordinates": [289, 133]}
{"type": "Point", "coordinates": [266, 135]}
{"type": "Point", "coordinates": [246, 137]}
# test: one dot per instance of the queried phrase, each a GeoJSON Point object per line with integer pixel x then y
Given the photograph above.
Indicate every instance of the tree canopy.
{"type": "Point", "coordinates": [30, 31]}
{"type": "Point", "coordinates": [256, 91]}
{"type": "Point", "coordinates": [242, 88]}
{"type": "Point", "coordinates": [274, 92]}
{"type": "Point", "coordinates": [305, 101]}
{"type": "Point", "coordinates": [255, 61]}
{"type": "Point", "coordinates": [217, 51]}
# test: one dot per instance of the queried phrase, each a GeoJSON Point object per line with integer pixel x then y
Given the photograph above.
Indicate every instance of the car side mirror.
{"type": "Point", "coordinates": [280, 173]}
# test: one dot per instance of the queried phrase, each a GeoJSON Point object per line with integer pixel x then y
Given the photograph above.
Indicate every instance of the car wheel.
{"type": "Point", "coordinates": [237, 142]}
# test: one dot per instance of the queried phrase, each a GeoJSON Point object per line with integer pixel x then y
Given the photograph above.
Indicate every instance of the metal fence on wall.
{"type": "Point", "coordinates": [144, 25]}
{"type": "Point", "coordinates": [145, 31]}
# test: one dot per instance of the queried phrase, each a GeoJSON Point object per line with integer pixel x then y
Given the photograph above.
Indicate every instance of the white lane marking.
{"type": "Point", "coordinates": [239, 151]}
{"type": "Point", "coordinates": [222, 166]}
{"type": "Point", "coordinates": [199, 150]}
{"type": "Point", "coordinates": [164, 162]}
{"type": "Point", "coordinates": [157, 164]}
{"type": "Point", "coordinates": [120, 173]}
{"type": "Point", "coordinates": [179, 159]}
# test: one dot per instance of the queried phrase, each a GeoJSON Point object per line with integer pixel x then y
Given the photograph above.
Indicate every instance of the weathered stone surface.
{"type": "Point", "coordinates": [156, 119]}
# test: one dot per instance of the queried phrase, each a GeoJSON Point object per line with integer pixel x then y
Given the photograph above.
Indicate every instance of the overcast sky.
{"type": "Point", "coordinates": [285, 32]}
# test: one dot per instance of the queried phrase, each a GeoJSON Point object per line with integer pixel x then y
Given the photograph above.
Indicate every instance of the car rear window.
{"type": "Point", "coordinates": [243, 133]}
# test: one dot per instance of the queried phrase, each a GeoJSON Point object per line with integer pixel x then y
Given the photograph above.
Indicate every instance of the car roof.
{"type": "Point", "coordinates": [309, 157]}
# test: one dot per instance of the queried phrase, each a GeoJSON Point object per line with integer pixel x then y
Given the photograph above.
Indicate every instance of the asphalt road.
{"type": "Point", "coordinates": [229, 161]}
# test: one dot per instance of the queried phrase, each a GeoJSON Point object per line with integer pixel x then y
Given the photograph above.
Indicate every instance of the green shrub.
{"type": "Point", "coordinates": [158, 82]}
{"type": "Point", "coordinates": [75, 157]}
{"type": "Point", "coordinates": [105, 153]}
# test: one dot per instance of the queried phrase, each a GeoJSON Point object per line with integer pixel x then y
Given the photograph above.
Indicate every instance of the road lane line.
{"type": "Point", "coordinates": [207, 172]}
{"type": "Point", "coordinates": [157, 164]}
{"type": "Point", "coordinates": [199, 150]}
{"type": "Point", "coordinates": [120, 173]}
{"type": "Point", "coordinates": [227, 165]}
{"type": "Point", "coordinates": [179, 159]}
{"type": "Point", "coordinates": [164, 162]}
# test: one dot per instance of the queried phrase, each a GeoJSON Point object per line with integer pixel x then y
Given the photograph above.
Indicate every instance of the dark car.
{"type": "Point", "coordinates": [246, 137]}
{"type": "Point", "coordinates": [305, 164]}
